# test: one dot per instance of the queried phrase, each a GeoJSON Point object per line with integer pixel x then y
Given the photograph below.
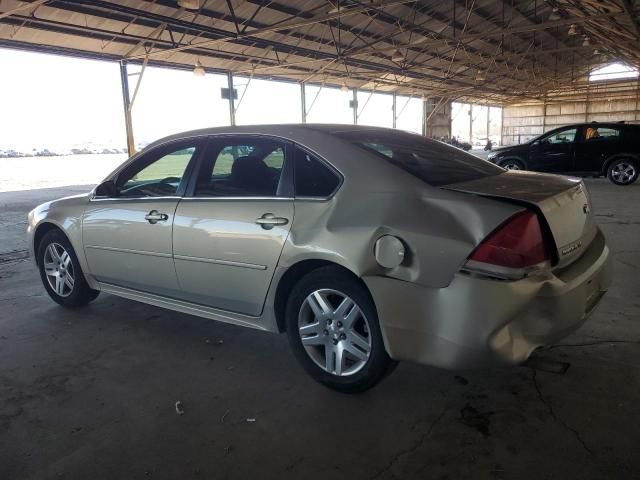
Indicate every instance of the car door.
{"type": "Point", "coordinates": [127, 228]}
{"type": "Point", "coordinates": [230, 229]}
{"type": "Point", "coordinates": [596, 143]}
{"type": "Point", "coordinates": [553, 152]}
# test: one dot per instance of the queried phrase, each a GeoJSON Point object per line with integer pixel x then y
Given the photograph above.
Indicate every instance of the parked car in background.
{"type": "Point", "coordinates": [588, 149]}
{"type": "Point", "coordinates": [365, 245]}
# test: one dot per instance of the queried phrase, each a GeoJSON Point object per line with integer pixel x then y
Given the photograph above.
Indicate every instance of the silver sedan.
{"type": "Point", "coordinates": [365, 245]}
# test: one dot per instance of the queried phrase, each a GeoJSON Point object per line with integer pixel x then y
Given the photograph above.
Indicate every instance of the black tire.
{"type": "Point", "coordinates": [74, 296]}
{"type": "Point", "coordinates": [511, 164]}
{"type": "Point", "coordinates": [375, 367]}
{"type": "Point", "coordinates": [623, 171]}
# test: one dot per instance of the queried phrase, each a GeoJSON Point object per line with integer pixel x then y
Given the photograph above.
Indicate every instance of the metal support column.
{"type": "Point", "coordinates": [586, 103]}
{"type": "Point", "coordinates": [124, 80]}
{"type": "Point", "coordinates": [488, 122]}
{"type": "Point", "coordinates": [303, 101]}
{"type": "Point", "coordinates": [635, 115]}
{"type": "Point", "coordinates": [355, 106]}
{"type": "Point", "coordinates": [471, 123]}
{"type": "Point", "coordinates": [232, 100]}
{"type": "Point", "coordinates": [393, 109]}
{"type": "Point", "coordinates": [424, 117]}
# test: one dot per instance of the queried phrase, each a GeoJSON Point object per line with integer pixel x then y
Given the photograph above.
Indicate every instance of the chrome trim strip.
{"type": "Point", "coordinates": [313, 199]}
{"type": "Point", "coordinates": [126, 250]}
{"type": "Point", "coordinates": [239, 198]}
{"type": "Point", "coordinates": [139, 199]}
{"type": "Point", "coordinates": [220, 262]}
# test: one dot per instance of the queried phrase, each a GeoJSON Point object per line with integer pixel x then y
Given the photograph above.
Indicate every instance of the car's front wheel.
{"type": "Point", "coordinates": [623, 171]}
{"type": "Point", "coordinates": [511, 164]}
{"type": "Point", "coordinates": [333, 330]}
{"type": "Point", "coordinates": [61, 273]}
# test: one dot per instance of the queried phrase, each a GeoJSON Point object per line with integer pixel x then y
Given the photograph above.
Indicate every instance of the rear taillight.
{"type": "Point", "coordinates": [513, 250]}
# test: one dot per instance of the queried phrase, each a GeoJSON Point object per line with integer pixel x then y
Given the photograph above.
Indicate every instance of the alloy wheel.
{"type": "Point", "coordinates": [58, 269]}
{"type": "Point", "coordinates": [334, 332]}
{"type": "Point", "coordinates": [623, 172]}
{"type": "Point", "coordinates": [511, 166]}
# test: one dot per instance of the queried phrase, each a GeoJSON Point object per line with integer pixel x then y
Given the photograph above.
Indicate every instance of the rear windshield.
{"type": "Point", "coordinates": [431, 161]}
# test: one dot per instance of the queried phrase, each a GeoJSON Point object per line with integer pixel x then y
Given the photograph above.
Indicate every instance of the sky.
{"type": "Point", "coordinates": [51, 100]}
{"type": "Point", "coordinates": [60, 103]}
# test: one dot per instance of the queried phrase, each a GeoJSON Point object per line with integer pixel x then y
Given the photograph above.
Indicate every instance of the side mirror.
{"type": "Point", "coordinates": [107, 189]}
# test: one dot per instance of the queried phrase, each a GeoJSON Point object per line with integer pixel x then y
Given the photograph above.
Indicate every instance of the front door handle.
{"type": "Point", "coordinates": [154, 217]}
{"type": "Point", "coordinates": [269, 220]}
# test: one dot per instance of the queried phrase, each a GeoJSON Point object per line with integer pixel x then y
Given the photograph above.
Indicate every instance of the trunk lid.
{"type": "Point", "coordinates": [563, 202]}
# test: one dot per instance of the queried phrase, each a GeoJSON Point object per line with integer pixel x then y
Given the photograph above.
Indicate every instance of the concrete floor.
{"type": "Point", "coordinates": [90, 394]}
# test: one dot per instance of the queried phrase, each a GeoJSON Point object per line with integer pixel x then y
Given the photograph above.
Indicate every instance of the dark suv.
{"type": "Point", "coordinates": [611, 149]}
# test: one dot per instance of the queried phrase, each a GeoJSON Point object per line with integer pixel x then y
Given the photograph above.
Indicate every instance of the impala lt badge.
{"type": "Point", "coordinates": [571, 248]}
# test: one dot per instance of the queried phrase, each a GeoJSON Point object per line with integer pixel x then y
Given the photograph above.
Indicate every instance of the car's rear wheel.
{"type": "Point", "coordinates": [61, 273]}
{"type": "Point", "coordinates": [333, 330]}
{"type": "Point", "coordinates": [623, 171]}
{"type": "Point", "coordinates": [511, 164]}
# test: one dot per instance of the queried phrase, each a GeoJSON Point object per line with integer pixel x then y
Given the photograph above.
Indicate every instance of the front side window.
{"type": "Point", "coordinates": [312, 177]}
{"type": "Point", "coordinates": [432, 162]}
{"type": "Point", "coordinates": [596, 134]}
{"type": "Point", "coordinates": [156, 174]}
{"type": "Point", "coordinates": [563, 136]}
{"type": "Point", "coordinates": [241, 168]}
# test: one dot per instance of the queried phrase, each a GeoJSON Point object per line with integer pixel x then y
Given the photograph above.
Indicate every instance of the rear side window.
{"type": "Point", "coordinates": [241, 167]}
{"type": "Point", "coordinates": [312, 177]}
{"type": "Point", "coordinates": [598, 134]}
{"type": "Point", "coordinates": [431, 161]}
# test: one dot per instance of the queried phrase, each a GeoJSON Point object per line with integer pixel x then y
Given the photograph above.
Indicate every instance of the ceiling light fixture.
{"type": "Point", "coordinates": [480, 76]}
{"type": "Point", "coordinates": [198, 70]}
{"type": "Point", "coordinates": [555, 14]}
{"type": "Point", "coordinates": [573, 30]}
{"type": "Point", "coordinates": [344, 87]}
{"type": "Point", "coordinates": [586, 42]}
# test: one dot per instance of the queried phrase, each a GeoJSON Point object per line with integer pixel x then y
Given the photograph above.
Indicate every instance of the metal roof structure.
{"type": "Point", "coordinates": [472, 50]}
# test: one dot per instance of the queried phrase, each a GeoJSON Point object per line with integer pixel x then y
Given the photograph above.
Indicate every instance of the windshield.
{"type": "Point", "coordinates": [431, 161]}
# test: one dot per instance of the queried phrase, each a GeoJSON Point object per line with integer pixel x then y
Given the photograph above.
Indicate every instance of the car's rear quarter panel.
{"type": "Point", "coordinates": [439, 228]}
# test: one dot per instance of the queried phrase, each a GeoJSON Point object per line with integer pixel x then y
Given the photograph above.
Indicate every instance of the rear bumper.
{"type": "Point", "coordinates": [477, 321]}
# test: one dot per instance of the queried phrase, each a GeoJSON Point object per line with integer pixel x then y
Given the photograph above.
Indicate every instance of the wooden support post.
{"type": "Point", "coordinates": [128, 123]}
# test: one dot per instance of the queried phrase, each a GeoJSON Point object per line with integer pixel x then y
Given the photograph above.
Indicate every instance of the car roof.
{"type": "Point", "coordinates": [299, 133]}
{"type": "Point", "coordinates": [296, 132]}
{"type": "Point", "coordinates": [596, 124]}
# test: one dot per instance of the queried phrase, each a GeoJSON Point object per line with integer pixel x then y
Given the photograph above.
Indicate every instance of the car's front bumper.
{"type": "Point", "coordinates": [478, 321]}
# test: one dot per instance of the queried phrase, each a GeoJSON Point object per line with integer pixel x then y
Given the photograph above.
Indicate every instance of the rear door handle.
{"type": "Point", "coordinates": [269, 220]}
{"type": "Point", "coordinates": [154, 217]}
